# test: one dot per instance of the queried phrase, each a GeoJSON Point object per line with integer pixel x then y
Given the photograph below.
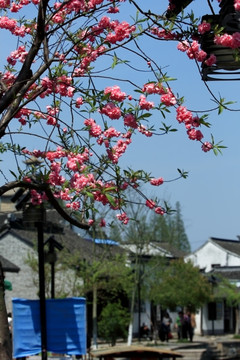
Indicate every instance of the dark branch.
{"type": "Point", "coordinates": [51, 198]}
{"type": "Point", "coordinates": [25, 73]}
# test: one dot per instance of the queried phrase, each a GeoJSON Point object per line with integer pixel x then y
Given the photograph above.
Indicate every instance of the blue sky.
{"type": "Point", "coordinates": [210, 196]}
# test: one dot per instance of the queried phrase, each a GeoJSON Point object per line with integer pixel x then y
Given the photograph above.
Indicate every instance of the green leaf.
{"type": "Point", "coordinates": [110, 199]}
{"type": "Point", "coordinates": [223, 105]}
{"type": "Point", "coordinates": [13, 174]}
{"type": "Point", "coordinates": [143, 116]}
{"type": "Point", "coordinates": [183, 173]}
{"type": "Point", "coordinates": [108, 189]}
{"type": "Point", "coordinates": [220, 109]}
{"type": "Point", "coordinates": [115, 61]}
{"type": "Point", "coordinates": [90, 195]}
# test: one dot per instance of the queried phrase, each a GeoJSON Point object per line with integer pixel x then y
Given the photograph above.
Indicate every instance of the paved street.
{"type": "Point", "coordinates": [171, 344]}
{"type": "Point", "coordinates": [60, 357]}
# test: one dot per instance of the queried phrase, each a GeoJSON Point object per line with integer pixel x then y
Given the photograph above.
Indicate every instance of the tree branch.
{"type": "Point", "coordinates": [43, 187]}
{"type": "Point", "coordinates": [25, 73]}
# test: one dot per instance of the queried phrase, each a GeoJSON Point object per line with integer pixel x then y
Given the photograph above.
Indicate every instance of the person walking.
{"type": "Point", "coordinates": [191, 325]}
{"type": "Point", "coordinates": [185, 326]}
{"type": "Point", "coordinates": [179, 324]}
{"type": "Point", "coordinates": [166, 324]}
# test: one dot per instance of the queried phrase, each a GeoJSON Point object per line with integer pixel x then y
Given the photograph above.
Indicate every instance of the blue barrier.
{"type": "Point", "coordinates": [66, 326]}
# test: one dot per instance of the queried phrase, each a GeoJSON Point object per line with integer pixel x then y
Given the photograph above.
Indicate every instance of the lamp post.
{"type": "Point", "coordinates": [212, 311]}
{"type": "Point", "coordinates": [51, 258]}
{"type": "Point", "coordinates": [36, 215]}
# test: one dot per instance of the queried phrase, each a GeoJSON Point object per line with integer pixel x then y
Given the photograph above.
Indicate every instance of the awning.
{"type": "Point", "coordinates": [7, 285]}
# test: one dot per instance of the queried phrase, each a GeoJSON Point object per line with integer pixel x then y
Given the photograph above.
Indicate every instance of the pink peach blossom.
{"type": "Point", "coordinates": [156, 182]}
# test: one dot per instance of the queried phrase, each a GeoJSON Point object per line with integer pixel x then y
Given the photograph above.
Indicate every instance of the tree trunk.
{"type": "Point", "coordinates": [237, 319]}
{"type": "Point", "coordinates": [154, 327]}
{"type": "Point", "coordinates": [130, 327]}
{"type": "Point", "coordinates": [5, 340]}
{"type": "Point", "coordinates": [94, 316]}
{"type": "Point", "coordinates": [130, 330]}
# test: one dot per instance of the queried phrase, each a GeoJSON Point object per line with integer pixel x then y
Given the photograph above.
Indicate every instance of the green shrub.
{"type": "Point", "coordinates": [113, 323]}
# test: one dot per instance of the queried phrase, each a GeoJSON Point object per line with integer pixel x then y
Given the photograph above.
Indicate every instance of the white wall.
{"type": "Point", "coordinates": [211, 254]}
{"type": "Point", "coordinates": [145, 318]}
{"type": "Point", "coordinates": [209, 326]}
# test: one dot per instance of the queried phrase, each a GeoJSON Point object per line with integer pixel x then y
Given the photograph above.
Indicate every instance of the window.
{"type": "Point", "coordinates": [215, 311]}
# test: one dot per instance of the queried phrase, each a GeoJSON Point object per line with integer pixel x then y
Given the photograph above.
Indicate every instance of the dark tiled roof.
{"type": "Point", "coordinates": [176, 253]}
{"type": "Point", "coordinates": [8, 266]}
{"type": "Point", "coordinates": [70, 240]}
{"type": "Point", "coordinates": [54, 222]}
{"type": "Point", "coordinates": [154, 248]}
{"type": "Point", "coordinates": [229, 245]}
{"type": "Point", "coordinates": [86, 247]}
{"type": "Point", "coordinates": [228, 272]}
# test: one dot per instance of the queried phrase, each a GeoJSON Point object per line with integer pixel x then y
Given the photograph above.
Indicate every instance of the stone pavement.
{"type": "Point", "coordinates": [173, 344]}
{"type": "Point", "coordinates": [57, 357]}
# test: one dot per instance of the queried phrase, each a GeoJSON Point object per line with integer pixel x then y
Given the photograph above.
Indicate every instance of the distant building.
{"type": "Point", "coordinates": [145, 312]}
{"type": "Point", "coordinates": [217, 257]}
{"type": "Point", "coordinates": [18, 241]}
{"type": "Point", "coordinates": [6, 205]}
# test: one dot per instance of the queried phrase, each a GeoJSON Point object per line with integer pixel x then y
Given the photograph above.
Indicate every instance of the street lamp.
{"type": "Point", "coordinates": [227, 65]}
{"type": "Point", "coordinates": [37, 216]}
{"type": "Point", "coordinates": [51, 258]}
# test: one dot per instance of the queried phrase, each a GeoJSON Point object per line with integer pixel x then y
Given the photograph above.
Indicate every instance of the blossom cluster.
{"type": "Point", "coordinates": [11, 25]}
{"type": "Point", "coordinates": [183, 115]}
{"type": "Point", "coordinates": [111, 110]}
{"type": "Point", "coordinates": [121, 31]}
{"type": "Point", "coordinates": [123, 218]}
{"type": "Point", "coordinates": [194, 52]}
{"type": "Point", "coordinates": [231, 41]}
{"type": "Point", "coordinates": [152, 205]}
{"type": "Point", "coordinates": [164, 34]}
{"type": "Point", "coordinates": [19, 54]}
{"type": "Point", "coordinates": [80, 180]}
{"type": "Point", "coordinates": [237, 5]}
{"type": "Point", "coordinates": [191, 123]}
{"type": "Point", "coordinates": [167, 96]}
{"type": "Point", "coordinates": [60, 85]}
{"type": "Point", "coordinates": [156, 182]}
{"type": "Point", "coordinates": [204, 27]}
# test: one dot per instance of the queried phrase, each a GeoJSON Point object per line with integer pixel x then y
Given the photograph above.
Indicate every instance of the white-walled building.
{"type": "Point", "coordinates": [148, 314]}
{"type": "Point", "coordinates": [216, 252]}
{"type": "Point", "coordinates": [217, 257]}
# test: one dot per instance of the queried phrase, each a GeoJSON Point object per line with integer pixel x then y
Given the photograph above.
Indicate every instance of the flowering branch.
{"type": "Point", "coordinates": [46, 189]}
{"type": "Point", "coordinates": [62, 87]}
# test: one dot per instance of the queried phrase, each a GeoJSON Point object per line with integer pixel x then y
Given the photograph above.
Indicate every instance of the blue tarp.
{"type": "Point", "coordinates": [66, 326]}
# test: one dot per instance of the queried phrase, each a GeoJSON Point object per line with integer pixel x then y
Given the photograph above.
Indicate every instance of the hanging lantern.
{"type": "Point", "coordinates": [227, 66]}
{"type": "Point", "coordinates": [34, 214]}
